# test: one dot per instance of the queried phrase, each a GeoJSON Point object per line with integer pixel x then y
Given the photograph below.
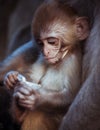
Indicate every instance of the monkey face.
{"type": "Point", "coordinates": [51, 49]}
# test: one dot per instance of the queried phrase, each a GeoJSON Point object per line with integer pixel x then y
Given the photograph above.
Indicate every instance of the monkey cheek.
{"type": "Point", "coordinates": [55, 58]}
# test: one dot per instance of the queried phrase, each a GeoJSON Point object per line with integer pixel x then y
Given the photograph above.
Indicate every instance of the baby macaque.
{"type": "Point", "coordinates": [56, 74]}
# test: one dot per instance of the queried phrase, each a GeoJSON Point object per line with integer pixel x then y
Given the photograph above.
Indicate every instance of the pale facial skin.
{"type": "Point", "coordinates": [51, 49]}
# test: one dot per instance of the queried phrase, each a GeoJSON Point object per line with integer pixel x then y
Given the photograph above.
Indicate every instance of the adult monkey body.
{"type": "Point", "coordinates": [84, 113]}
{"type": "Point", "coordinates": [58, 38]}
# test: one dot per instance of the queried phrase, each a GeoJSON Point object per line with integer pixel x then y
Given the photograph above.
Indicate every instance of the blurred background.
{"type": "Point", "coordinates": [15, 30]}
{"type": "Point", "coordinates": [15, 22]}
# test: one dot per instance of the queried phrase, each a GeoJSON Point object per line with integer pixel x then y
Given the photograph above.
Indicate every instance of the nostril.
{"type": "Point", "coordinates": [46, 52]}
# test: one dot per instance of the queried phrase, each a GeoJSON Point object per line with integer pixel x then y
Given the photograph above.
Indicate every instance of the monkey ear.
{"type": "Point", "coordinates": [82, 27]}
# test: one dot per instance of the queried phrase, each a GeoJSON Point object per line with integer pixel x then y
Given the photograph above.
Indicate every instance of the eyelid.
{"type": "Point", "coordinates": [52, 39]}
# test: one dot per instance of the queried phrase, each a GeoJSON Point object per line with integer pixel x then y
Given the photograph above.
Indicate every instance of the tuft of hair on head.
{"type": "Point", "coordinates": [50, 12]}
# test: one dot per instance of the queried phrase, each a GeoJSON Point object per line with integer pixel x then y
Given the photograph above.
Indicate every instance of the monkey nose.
{"type": "Point", "coordinates": [46, 52]}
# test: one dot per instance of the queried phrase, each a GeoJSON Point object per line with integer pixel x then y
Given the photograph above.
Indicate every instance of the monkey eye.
{"type": "Point", "coordinates": [52, 41]}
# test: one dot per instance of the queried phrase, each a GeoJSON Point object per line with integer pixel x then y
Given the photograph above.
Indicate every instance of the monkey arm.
{"type": "Point", "coordinates": [52, 96]}
{"type": "Point", "coordinates": [19, 60]}
{"type": "Point", "coordinates": [38, 98]}
{"type": "Point", "coordinates": [54, 99]}
{"type": "Point", "coordinates": [34, 96]}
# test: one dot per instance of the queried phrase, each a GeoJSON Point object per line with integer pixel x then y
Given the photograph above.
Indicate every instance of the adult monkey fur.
{"type": "Point", "coordinates": [84, 112]}
{"type": "Point", "coordinates": [64, 47]}
{"type": "Point", "coordinates": [15, 31]}
{"type": "Point", "coordinates": [81, 118]}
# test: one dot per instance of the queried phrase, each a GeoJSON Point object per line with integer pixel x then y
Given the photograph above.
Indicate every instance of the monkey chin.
{"type": "Point", "coordinates": [53, 61]}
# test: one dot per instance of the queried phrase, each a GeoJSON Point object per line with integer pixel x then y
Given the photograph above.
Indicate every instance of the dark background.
{"type": "Point", "coordinates": [15, 20]}
{"type": "Point", "coordinates": [15, 23]}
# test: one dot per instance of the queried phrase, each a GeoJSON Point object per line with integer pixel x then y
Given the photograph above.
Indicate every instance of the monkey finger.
{"type": "Point", "coordinates": [27, 104]}
{"type": "Point", "coordinates": [15, 77]}
{"type": "Point", "coordinates": [24, 91]}
{"type": "Point", "coordinates": [31, 98]}
{"type": "Point", "coordinates": [12, 79]}
{"type": "Point", "coordinates": [18, 95]}
{"type": "Point", "coordinates": [28, 88]}
{"type": "Point", "coordinates": [7, 83]}
{"type": "Point", "coordinates": [14, 73]}
{"type": "Point", "coordinates": [26, 101]}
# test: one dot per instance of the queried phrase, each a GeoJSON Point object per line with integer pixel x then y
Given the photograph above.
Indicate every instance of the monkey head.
{"type": "Point", "coordinates": [57, 28]}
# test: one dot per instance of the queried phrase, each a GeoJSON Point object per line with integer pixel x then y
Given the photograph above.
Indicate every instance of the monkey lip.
{"type": "Point", "coordinates": [52, 60]}
{"type": "Point", "coordinates": [49, 58]}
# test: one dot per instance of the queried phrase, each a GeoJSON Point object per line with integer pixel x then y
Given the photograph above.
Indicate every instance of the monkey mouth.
{"type": "Point", "coordinates": [52, 60]}
{"type": "Point", "coordinates": [49, 58]}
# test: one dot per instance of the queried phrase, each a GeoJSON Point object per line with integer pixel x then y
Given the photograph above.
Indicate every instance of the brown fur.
{"type": "Point", "coordinates": [50, 108]}
{"type": "Point", "coordinates": [40, 120]}
{"type": "Point", "coordinates": [84, 113]}
{"type": "Point", "coordinates": [81, 115]}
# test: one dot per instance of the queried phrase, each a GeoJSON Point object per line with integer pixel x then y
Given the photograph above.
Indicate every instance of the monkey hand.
{"type": "Point", "coordinates": [26, 97]}
{"type": "Point", "coordinates": [11, 79]}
